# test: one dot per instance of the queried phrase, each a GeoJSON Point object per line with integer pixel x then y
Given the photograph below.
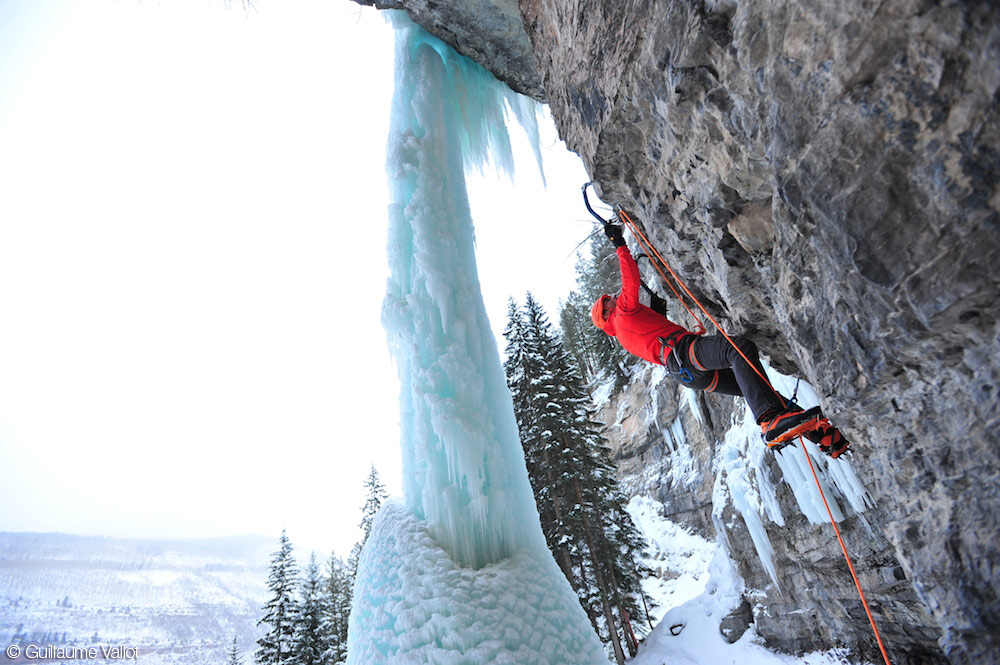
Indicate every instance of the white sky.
{"type": "Point", "coordinates": [192, 265]}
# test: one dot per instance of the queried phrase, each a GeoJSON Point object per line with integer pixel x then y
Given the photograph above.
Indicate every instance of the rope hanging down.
{"type": "Point", "coordinates": [648, 247]}
{"type": "Point", "coordinates": [847, 557]}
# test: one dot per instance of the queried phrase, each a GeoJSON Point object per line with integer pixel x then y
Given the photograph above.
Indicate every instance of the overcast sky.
{"type": "Point", "coordinates": [192, 265]}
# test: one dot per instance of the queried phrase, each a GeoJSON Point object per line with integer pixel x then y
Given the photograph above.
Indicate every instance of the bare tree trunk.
{"type": "Point", "coordinates": [588, 608]}
{"type": "Point", "coordinates": [630, 640]}
{"type": "Point", "coordinates": [608, 616]}
{"type": "Point", "coordinates": [563, 554]}
{"type": "Point", "coordinates": [645, 606]}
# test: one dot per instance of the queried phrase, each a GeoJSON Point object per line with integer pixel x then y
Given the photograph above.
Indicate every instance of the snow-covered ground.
{"type": "Point", "coordinates": [679, 559]}
{"type": "Point", "coordinates": [703, 586]}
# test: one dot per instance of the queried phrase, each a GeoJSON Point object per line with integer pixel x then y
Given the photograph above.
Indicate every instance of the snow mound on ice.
{"type": "Point", "coordinates": [418, 606]}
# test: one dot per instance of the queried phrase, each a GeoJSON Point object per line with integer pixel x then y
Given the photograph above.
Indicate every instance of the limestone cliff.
{"type": "Point", "coordinates": [825, 176]}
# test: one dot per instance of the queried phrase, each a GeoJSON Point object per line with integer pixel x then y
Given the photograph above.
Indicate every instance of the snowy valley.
{"type": "Point", "coordinates": [173, 600]}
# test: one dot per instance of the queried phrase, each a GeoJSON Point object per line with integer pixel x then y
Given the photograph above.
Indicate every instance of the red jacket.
{"type": "Point", "coordinates": [637, 327]}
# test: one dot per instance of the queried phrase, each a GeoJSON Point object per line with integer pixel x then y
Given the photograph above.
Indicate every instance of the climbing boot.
{"type": "Point", "coordinates": [830, 440]}
{"type": "Point", "coordinates": [786, 425]}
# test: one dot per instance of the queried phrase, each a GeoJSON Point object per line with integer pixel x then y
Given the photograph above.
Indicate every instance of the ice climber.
{"type": "Point", "coordinates": [704, 363]}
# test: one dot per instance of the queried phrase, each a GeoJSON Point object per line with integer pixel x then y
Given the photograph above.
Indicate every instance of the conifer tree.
{"type": "Point", "coordinates": [521, 370]}
{"type": "Point", "coordinates": [280, 612]}
{"type": "Point", "coordinates": [582, 510]}
{"type": "Point", "coordinates": [309, 644]}
{"type": "Point", "coordinates": [353, 559]}
{"type": "Point", "coordinates": [530, 380]}
{"type": "Point", "coordinates": [337, 593]}
{"type": "Point", "coordinates": [233, 654]}
{"type": "Point", "coordinates": [376, 495]}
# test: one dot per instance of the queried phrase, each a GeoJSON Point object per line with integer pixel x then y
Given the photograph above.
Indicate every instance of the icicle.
{"type": "Point", "coordinates": [740, 474]}
{"type": "Point", "coordinates": [837, 477]}
{"type": "Point", "coordinates": [692, 402]}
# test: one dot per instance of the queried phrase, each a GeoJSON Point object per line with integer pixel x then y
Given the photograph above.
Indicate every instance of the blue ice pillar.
{"type": "Point", "coordinates": [463, 467]}
{"type": "Point", "coordinates": [460, 573]}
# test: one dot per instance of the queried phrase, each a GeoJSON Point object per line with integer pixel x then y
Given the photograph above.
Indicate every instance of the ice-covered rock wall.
{"type": "Point", "coordinates": [701, 457]}
{"type": "Point", "coordinates": [460, 572]}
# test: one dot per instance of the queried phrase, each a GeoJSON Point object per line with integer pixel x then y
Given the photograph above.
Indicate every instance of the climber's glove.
{"type": "Point", "coordinates": [657, 304]}
{"type": "Point", "coordinates": [614, 233]}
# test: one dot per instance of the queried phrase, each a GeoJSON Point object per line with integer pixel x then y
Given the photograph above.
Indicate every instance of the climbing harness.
{"type": "Point", "coordinates": [668, 349]}
{"type": "Point", "coordinates": [648, 247]}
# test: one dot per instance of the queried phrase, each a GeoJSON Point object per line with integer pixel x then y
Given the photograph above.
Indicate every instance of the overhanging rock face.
{"type": "Point", "coordinates": [825, 176]}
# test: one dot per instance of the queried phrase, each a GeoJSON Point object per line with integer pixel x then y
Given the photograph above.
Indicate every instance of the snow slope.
{"type": "Point", "coordinates": [705, 589]}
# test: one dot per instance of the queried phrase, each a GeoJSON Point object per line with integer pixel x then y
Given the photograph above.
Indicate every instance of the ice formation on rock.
{"type": "Point", "coordinates": [459, 573]}
{"type": "Point", "coordinates": [741, 475]}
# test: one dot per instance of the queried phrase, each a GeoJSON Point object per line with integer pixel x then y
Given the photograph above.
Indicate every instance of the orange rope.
{"type": "Point", "coordinates": [644, 243]}
{"type": "Point", "coordinates": [847, 556]}
{"type": "Point", "coordinates": [643, 240]}
{"type": "Point", "coordinates": [635, 230]}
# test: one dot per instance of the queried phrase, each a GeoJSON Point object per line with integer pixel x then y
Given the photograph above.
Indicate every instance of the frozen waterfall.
{"type": "Point", "coordinates": [459, 573]}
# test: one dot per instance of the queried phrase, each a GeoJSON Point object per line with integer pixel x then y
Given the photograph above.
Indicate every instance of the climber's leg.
{"type": "Point", "coordinates": [726, 383]}
{"type": "Point", "coordinates": [715, 352]}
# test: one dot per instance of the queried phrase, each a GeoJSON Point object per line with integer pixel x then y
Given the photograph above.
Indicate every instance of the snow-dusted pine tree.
{"type": "Point", "coordinates": [337, 594]}
{"type": "Point", "coordinates": [233, 654]}
{"type": "Point", "coordinates": [281, 611]}
{"type": "Point", "coordinates": [352, 560]}
{"type": "Point", "coordinates": [522, 371]}
{"type": "Point", "coordinates": [582, 510]}
{"type": "Point", "coordinates": [308, 641]}
{"type": "Point", "coordinates": [376, 495]}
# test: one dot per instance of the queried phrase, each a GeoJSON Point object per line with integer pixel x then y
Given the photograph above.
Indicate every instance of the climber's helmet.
{"type": "Point", "coordinates": [602, 309]}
